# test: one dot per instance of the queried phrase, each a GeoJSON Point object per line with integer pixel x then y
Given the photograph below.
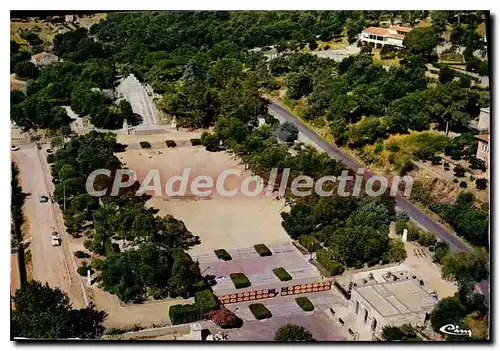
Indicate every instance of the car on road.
{"type": "Point", "coordinates": [43, 198]}
{"type": "Point", "coordinates": [55, 239]}
{"type": "Point", "coordinates": [14, 148]}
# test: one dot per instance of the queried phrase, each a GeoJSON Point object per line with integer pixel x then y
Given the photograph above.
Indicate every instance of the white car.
{"type": "Point", "coordinates": [55, 239]}
{"type": "Point", "coordinates": [14, 148]}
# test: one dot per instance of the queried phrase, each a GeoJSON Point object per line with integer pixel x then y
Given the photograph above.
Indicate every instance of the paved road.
{"type": "Point", "coordinates": [49, 263]}
{"type": "Point", "coordinates": [413, 211]}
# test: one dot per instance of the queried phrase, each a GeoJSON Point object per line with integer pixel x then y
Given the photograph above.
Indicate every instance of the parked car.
{"type": "Point", "coordinates": [55, 239]}
{"type": "Point", "coordinates": [14, 148]}
{"type": "Point", "coordinates": [43, 198]}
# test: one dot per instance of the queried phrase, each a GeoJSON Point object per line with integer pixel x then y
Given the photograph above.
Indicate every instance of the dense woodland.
{"type": "Point", "coordinates": [202, 66]}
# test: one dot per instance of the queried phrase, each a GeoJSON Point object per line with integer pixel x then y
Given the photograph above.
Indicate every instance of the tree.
{"type": "Point", "coordinates": [292, 332]}
{"type": "Point", "coordinates": [421, 41]}
{"type": "Point", "coordinates": [481, 183]}
{"type": "Point", "coordinates": [26, 70]}
{"type": "Point", "coordinates": [44, 313]}
{"type": "Point", "coordinates": [288, 132]}
{"type": "Point", "coordinates": [298, 84]}
{"type": "Point", "coordinates": [446, 75]}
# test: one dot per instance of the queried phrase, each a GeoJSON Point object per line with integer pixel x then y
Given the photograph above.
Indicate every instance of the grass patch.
{"type": "Point", "coordinates": [282, 274]}
{"type": "Point", "coordinates": [304, 303]}
{"type": "Point", "coordinates": [223, 255]}
{"type": "Point", "coordinates": [262, 250]}
{"type": "Point", "coordinates": [145, 144]}
{"type": "Point", "coordinates": [170, 143]}
{"type": "Point", "coordinates": [260, 311]}
{"type": "Point", "coordinates": [240, 280]}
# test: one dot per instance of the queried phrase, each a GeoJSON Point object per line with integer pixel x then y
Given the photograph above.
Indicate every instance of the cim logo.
{"type": "Point", "coordinates": [451, 329]}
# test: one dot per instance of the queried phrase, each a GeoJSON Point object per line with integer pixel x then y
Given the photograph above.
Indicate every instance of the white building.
{"type": "Point", "coordinates": [394, 35]}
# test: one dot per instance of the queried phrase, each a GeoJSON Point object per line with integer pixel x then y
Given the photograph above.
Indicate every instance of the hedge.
{"type": "Point", "coordinates": [304, 303]}
{"type": "Point", "coordinates": [326, 260]}
{"type": "Point", "coordinates": [223, 255]}
{"type": "Point", "coordinates": [206, 301]}
{"type": "Point", "coordinates": [80, 254]}
{"type": "Point", "coordinates": [239, 280]}
{"type": "Point", "coordinates": [262, 250]}
{"type": "Point", "coordinates": [260, 311]}
{"type": "Point", "coordinates": [282, 274]}
{"type": "Point", "coordinates": [309, 242]}
{"type": "Point", "coordinates": [195, 141]}
{"type": "Point", "coordinates": [170, 143]}
{"type": "Point", "coordinates": [145, 144]}
{"type": "Point", "coordinates": [180, 314]}
{"type": "Point", "coordinates": [83, 271]}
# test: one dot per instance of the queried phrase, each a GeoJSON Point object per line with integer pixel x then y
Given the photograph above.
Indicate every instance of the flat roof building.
{"type": "Point", "coordinates": [388, 298]}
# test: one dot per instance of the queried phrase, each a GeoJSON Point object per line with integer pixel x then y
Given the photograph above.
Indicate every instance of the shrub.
{"type": "Point", "coordinates": [326, 47]}
{"type": "Point", "coordinates": [223, 255]}
{"type": "Point", "coordinates": [309, 242]}
{"type": "Point", "coordinates": [463, 185]}
{"type": "Point", "coordinates": [83, 271]}
{"type": "Point", "coordinates": [97, 264]}
{"type": "Point", "coordinates": [170, 143]}
{"type": "Point", "coordinates": [455, 180]}
{"type": "Point", "coordinates": [401, 226]}
{"type": "Point", "coordinates": [225, 318]}
{"type": "Point", "coordinates": [481, 183]}
{"type": "Point", "coordinates": [326, 260]}
{"type": "Point", "coordinates": [206, 301]}
{"type": "Point", "coordinates": [459, 171]}
{"type": "Point", "coordinates": [402, 216]}
{"type": "Point", "coordinates": [195, 141]}
{"type": "Point", "coordinates": [260, 311]}
{"type": "Point", "coordinates": [87, 244]}
{"type": "Point", "coordinates": [282, 274]}
{"type": "Point", "coordinates": [145, 144]}
{"type": "Point", "coordinates": [50, 158]}
{"type": "Point", "coordinates": [304, 303]}
{"type": "Point", "coordinates": [239, 280]}
{"type": "Point", "coordinates": [292, 332]}
{"type": "Point", "coordinates": [262, 250]}
{"type": "Point", "coordinates": [80, 254]}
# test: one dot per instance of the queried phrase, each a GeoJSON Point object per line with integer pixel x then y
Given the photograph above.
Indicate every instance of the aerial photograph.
{"type": "Point", "coordinates": [250, 176]}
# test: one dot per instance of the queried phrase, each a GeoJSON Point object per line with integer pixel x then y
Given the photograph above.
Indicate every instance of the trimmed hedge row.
{"type": "Point", "coordinates": [262, 250]}
{"type": "Point", "coordinates": [205, 301]}
{"type": "Point", "coordinates": [223, 255]}
{"type": "Point", "coordinates": [282, 274]}
{"type": "Point", "coordinates": [240, 280]}
{"type": "Point", "coordinates": [304, 303]}
{"type": "Point", "coordinates": [260, 311]}
{"type": "Point", "coordinates": [195, 141]}
{"type": "Point", "coordinates": [326, 260]}
{"type": "Point", "coordinates": [309, 242]}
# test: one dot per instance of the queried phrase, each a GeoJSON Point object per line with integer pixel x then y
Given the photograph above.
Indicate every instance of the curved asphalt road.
{"type": "Point", "coordinates": [413, 211]}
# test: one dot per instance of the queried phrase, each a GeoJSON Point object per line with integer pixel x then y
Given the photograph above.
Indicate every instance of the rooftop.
{"type": "Point", "coordinates": [376, 30]}
{"type": "Point", "coordinates": [483, 137]}
{"type": "Point", "coordinates": [401, 28]}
